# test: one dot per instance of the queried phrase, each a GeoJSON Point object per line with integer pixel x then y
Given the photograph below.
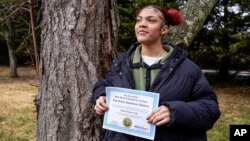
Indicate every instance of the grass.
{"type": "Point", "coordinates": [18, 117]}
{"type": "Point", "coordinates": [234, 104]}
{"type": "Point", "coordinates": [17, 111]}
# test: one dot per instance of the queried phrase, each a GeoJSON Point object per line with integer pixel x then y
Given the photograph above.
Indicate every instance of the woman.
{"type": "Point", "coordinates": [188, 106]}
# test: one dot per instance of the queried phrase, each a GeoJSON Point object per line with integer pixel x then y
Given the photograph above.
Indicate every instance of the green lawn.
{"type": "Point", "coordinates": [18, 116]}
{"type": "Point", "coordinates": [17, 111]}
{"type": "Point", "coordinates": [235, 108]}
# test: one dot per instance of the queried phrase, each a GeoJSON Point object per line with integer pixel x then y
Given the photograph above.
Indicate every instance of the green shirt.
{"type": "Point", "coordinates": [139, 73]}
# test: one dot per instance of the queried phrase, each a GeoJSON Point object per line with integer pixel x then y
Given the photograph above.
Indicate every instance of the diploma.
{"type": "Point", "coordinates": [128, 111]}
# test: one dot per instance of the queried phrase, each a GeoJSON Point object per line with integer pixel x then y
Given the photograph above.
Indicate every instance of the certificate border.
{"type": "Point", "coordinates": [142, 134]}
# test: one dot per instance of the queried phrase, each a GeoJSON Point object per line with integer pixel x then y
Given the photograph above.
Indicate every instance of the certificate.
{"type": "Point", "coordinates": [128, 111]}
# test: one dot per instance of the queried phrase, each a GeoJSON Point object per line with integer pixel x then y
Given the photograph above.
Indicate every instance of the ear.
{"type": "Point", "coordinates": [164, 30]}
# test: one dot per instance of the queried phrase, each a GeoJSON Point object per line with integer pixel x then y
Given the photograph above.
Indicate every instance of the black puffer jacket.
{"type": "Point", "coordinates": [182, 87]}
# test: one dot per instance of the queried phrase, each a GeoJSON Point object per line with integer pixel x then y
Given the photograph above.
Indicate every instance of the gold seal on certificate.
{"type": "Point", "coordinates": [128, 111]}
{"type": "Point", "coordinates": [127, 122]}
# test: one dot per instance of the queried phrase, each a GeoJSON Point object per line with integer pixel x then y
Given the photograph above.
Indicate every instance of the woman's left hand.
{"type": "Point", "coordinates": [160, 116]}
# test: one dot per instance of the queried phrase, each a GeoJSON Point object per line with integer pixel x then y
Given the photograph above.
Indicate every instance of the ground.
{"type": "Point", "coordinates": [17, 110]}
{"type": "Point", "coordinates": [18, 114]}
{"type": "Point", "coordinates": [234, 102]}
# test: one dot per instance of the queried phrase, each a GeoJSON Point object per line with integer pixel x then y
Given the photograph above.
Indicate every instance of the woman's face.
{"type": "Point", "coordinates": [148, 27]}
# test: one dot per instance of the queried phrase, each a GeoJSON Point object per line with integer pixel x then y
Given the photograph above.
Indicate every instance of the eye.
{"type": "Point", "coordinates": [138, 20]}
{"type": "Point", "coordinates": [151, 20]}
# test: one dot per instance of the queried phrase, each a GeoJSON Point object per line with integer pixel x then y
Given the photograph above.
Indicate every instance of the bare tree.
{"type": "Point", "coordinates": [7, 16]}
{"type": "Point", "coordinates": [33, 25]}
{"type": "Point", "coordinates": [12, 14]}
{"type": "Point", "coordinates": [10, 38]}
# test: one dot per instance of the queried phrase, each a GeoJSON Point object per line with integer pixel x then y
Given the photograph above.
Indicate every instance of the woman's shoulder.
{"type": "Point", "coordinates": [180, 54]}
{"type": "Point", "coordinates": [187, 62]}
{"type": "Point", "coordinates": [121, 56]}
{"type": "Point", "coordinates": [192, 64]}
{"type": "Point", "coordinates": [190, 68]}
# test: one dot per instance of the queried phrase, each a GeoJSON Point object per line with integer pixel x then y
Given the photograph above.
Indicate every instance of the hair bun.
{"type": "Point", "coordinates": [175, 17]}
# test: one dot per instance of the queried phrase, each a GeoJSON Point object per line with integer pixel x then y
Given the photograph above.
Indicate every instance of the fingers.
{"type": "Point", "coordinates": [99, 112]}
{"type": "Point", "coordinates": [101, 103]}
{"type": "Point", "coordinates": [162, 119]}
{"type": "Point", "coordinates": [160, 116]}
{"type": "Point", "coordinates": [101, 106]}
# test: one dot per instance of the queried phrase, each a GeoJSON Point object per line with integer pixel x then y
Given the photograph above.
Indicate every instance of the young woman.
{"type": "Point", "coordinates": [188, 105]}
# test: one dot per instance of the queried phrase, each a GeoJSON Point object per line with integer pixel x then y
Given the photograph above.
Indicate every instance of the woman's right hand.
{"type": "Point", "coordinates": [101, 106]}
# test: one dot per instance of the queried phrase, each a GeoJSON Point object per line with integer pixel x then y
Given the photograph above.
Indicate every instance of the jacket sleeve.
{"type": "Point", "coordinates": [99, 87]}
{"type": "Point", "coordinates": [200, 112]}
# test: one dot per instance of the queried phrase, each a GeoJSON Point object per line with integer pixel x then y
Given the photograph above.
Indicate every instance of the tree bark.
{"type": "Point", "coordinates": [11, 49]}
{"type": "Point", "coordinates": [78, 36]}
{"type": "Point", "coordinates": [195, 13]}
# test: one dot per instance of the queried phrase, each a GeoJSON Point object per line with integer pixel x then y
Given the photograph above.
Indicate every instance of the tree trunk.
{"type": "Point", "coordinates": [32, 24]}
{"type": "Point", "coordinates": [78, 37]}
{"type": "Point", "coordinates": [195, 13]}
{"type": "Point", "coordinates": [224, 69]}
{"type": "Point", "coordinates": [11, 49]}
{"type": "Point", "coordinates": [225, 60]}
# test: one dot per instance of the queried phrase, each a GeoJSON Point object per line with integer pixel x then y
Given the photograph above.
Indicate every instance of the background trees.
{"type": "Point", "coordinates": [17, 18]}
{"type": "Point", "coordinates": [223, 43]}
{"type": "Point", "coordinates": [8, 31]}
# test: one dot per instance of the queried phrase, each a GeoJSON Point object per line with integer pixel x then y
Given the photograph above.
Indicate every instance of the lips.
{"type": "Point", "coordinates": [142, 32]}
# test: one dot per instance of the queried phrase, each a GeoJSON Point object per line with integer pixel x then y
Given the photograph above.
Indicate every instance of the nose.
{"type": "Point", "coordinates": [142, 23]}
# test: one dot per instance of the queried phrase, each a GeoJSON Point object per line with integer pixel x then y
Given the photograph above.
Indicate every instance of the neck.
{"type": "Point", "coordinates": [152, 50]}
